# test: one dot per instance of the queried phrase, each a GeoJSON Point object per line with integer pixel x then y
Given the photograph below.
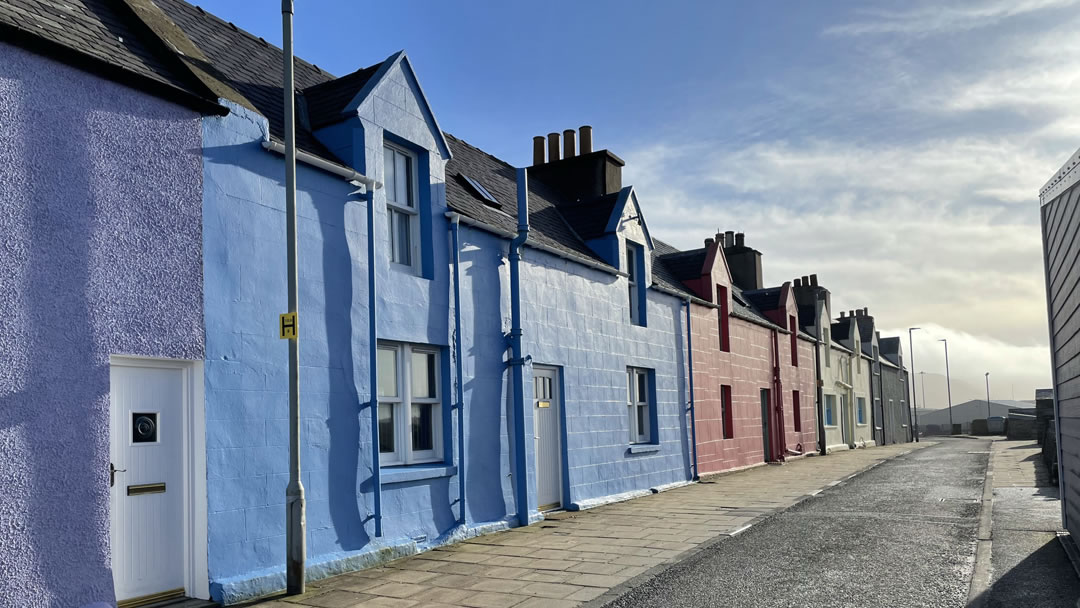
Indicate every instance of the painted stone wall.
{"type": "Point", "coordinates": [894, 397]}
{"type": "Point", "coordinates": [101, 191]}
{"type": "Point", "coordinates": [747, 368]}
{"type": "Point", "coordinates": [800, 378]}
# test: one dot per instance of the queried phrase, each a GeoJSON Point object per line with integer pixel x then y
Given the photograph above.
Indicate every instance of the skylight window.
{"type": "Point", "coordinates": [482, 191]}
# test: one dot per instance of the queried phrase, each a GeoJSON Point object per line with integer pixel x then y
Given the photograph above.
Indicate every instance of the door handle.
{"type": "Point", "coordinates": [112, 474]}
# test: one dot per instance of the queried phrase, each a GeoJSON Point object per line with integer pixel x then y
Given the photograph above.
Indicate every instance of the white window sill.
{"type": "Point", "coordinates": [416, 472]}
{"type": "Point", "coordinates": [643, 448]}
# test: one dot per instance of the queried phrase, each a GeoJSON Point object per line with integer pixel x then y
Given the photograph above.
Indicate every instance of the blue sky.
{"type": "Point", "coordinates": [895, 152]}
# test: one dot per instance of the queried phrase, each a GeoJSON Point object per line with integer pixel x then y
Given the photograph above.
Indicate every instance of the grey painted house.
{"type": "Point", "coordinates": [1060, 223]}
{"type": "Point", "coordinates": [896, 421]}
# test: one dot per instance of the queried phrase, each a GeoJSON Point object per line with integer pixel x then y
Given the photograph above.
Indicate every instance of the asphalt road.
{"type": "Point", "coordinates": [902, 534]}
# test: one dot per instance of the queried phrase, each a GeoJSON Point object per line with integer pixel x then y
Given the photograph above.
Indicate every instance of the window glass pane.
{"type": "Point", "coordinates": [423, 375]}
{"type": "Point", "coordinates": [386, 428]}
{"type": "Point", "coordinates": [387, 362]}
{"type": "Point", "coordinates": [403, 239]}
{"type": "Point", "coordinates": [401, 186]}
{"type": "Point", "coordinates": [642, 394]}
{"type": "Point", "coordinates": [423, 435]}
{"type": "Point", "coordinates": [629, 386]}
{"type": "Point", "coordinates": [631, 264]}
{"type": "Point", "coordinates": [390, 219]}
{"type": "Point", "coordinates": [642, 420]}
{"type": "Point", "coordinates": [390, 178]}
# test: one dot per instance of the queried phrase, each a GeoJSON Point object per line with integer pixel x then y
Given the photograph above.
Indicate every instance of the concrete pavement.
{"type": "Point", "coordinates": [595, 555]}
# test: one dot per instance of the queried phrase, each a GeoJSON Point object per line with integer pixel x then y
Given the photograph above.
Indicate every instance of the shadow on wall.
{"type": "Point", "coordinates": [54, 418]}
{"type": "Point", "coordinates": [100, 216]}
{"type": "Point", "coordinates": [488, 387]}
{"type": "Point", "coordinates": [344, 405]}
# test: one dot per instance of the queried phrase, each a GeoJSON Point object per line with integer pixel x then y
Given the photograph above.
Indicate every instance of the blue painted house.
{"type": "Point", "coordinates": [425, 442]}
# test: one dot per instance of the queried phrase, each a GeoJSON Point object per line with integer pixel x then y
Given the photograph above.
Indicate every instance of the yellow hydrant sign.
{"type": "Point", "coordinates": [288, 326]}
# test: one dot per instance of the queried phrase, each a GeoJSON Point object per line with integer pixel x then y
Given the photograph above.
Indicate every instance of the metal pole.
{"type": "Point", "coordinates": [373, 366]}
{"type": "Point", "coordinates": [914, 404]}
{"type": "Point", "coordinates": [923, 375]}
{"type": "Point", "coordinates": [295, 524]}
{"type": "Point", "coordinates": [948, 383]}
{"type": "Point", "coordinates": [988, 395]}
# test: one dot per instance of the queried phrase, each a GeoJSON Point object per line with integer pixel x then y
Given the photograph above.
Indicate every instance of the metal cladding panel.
{"type": "Point", "coordinates": [894, 401]}
{"type": "Point", "coordinates": [1061, 246]}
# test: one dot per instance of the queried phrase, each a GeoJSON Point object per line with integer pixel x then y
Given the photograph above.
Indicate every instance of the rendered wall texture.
{"type": "Point", "coordinates": [101, 191]}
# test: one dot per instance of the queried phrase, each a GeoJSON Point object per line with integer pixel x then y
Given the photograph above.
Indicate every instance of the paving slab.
{"type": "Point", "coordinates": [575, 557]}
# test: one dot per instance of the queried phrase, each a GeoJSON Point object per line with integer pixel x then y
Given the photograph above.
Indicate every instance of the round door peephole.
{"type": "Point", "coordinates": [144, 428]}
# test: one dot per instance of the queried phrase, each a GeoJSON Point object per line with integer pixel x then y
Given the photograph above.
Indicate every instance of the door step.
{"type": "Point", "coordinates": [181, 602]}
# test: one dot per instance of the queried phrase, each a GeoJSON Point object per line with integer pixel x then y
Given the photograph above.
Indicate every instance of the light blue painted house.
{"type": "Point", "coordinates": [512, 373]}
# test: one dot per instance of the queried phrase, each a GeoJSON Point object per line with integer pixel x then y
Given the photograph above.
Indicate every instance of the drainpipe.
{"type": "Point", "coordinates": [822, 442]}
{"type": "Point", "coordinates": [373, 367]}
{"type": "Point", "coordinates": [517, 361]}
{"type": "Point", "coordinates": [454, 218]}
{"type": "Point", "coordinates": [778, 400]}
{"type": "Point", "coordinates": [690, 369]}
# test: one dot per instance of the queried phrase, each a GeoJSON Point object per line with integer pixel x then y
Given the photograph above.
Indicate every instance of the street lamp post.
{"type": "Point", "coordinates": [922, 376]}
{"type": "Point", "coordinates": [987, 395]}
{"type": "Point", "coordinates": [914, 405]}
{"type": "Point", "coordinates": [948, 383]}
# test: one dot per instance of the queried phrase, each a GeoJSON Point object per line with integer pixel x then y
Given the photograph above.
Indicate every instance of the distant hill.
{"type": "Point", "coordinates": [937, 398]}
{"type": "Point", "coordinates": [964, 413]}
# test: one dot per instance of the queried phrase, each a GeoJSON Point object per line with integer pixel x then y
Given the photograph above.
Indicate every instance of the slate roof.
{"type": "Point", "coordinates": [590, 218]}
{"type": "Point", "coordinates": [764, 299]}
{"type": "Point", "coordinates": [663, 273]}
{"type": "Point", "coordinates": [327, 100]}
{"type": "Point", "coordinates": [250, 66]}
{"type": "Point", "coordinates": [889, 349]}
{"type": "Point", "coordinates": [103, 36]}
{"type": "Point", "coordinates": [546, 225]}
{"type": "Point", "coordinates": [686, 265]}
{"type": "Point", "coordinates": [866, 329]}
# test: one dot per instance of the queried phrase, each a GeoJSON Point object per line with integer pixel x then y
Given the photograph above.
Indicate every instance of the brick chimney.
{"type": "Point", "coordinates": [745, 263]}
{"type": "Point", "coordinates": [582, 176]}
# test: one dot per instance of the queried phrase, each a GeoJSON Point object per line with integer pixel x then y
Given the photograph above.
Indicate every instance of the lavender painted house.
{"type": "Point", "coordinates": [101, 191]}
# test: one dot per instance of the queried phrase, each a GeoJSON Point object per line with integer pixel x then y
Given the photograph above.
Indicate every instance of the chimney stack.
{"type": "Point", "coordinates": [569, 143]}
{"type": "Point", "coordinates": [729, 238]}
{"type": "Point", "coordinates": [857, 312]}
{"type": "Point", "coordinates": [813, 280]}
{"type": "Point", "coordinates": [538, 150]}
{"type": "Point", "coordinates": [866, 312]}
{"type": "Point", "coordinates": [553, 147]}
{"type": "Point", "coordinates": [586, 138]}
{"type": "Point", "coordinates": [806, 280]}
{"type": "Point", "coordinates": [798, 283]}
{"type": "Point", "coordinates": [708, 243]}
{"type": "Point", "coordinates": [841, 314]}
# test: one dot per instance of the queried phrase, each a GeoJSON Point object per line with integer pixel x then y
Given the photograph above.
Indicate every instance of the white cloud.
{"type": "Point", "coordinates": [936, 18]}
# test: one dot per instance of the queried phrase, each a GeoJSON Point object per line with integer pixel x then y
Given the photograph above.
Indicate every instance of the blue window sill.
{"type": "Point", "coordinates": [404, 474]}
{"type": "Point", "coordinates": [643, 448]}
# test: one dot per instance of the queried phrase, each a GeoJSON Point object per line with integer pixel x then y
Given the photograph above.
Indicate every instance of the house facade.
{"type": "Point", "coordinates": [897, 420]}
{"type": "Point", "coordinates": [1057, 201]}
{"type": "Point", "coordinates": [102, 197]}
{"type": "Point", "coordinates": [854, 422]}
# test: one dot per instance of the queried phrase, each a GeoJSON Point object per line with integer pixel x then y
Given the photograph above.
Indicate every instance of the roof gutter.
{"type": "Point", "coordinates": [320, 163]}
{"type": "Point", "coordinates": [468, 221]}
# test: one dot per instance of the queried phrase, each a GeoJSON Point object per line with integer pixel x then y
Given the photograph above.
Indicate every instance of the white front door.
{"type": "Point", "coordinates": [548, 453]}
{"type": "Point", "coordinates": [147, 492]}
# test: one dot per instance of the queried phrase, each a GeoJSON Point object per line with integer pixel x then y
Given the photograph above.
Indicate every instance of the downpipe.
{"type": "Point", "coordinates": [517, 361]}
{"type": "Point", "coordinates": [690, 375]}
{"type": "Point", "coordinates": [780, 447]}
{"type": "Point", "coordinates": [454, 226]}
{"type": "Point", "coordinates": [373, 367]}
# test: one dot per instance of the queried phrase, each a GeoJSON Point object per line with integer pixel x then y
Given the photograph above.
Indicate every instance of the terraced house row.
{"type": "Point", "coordinates": [143, 444]}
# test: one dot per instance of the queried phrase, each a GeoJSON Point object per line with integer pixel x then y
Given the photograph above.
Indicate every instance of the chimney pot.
{"type": "Point", "coordinates": [586, 138]}
{"type": "Point", "coordinates": [866, 312]}
{"type": "Point", "coordinates": [851, 313]}
{"type": "Point", "coordinates": [806, 280]}
{"type": "Point", "coordinates": [538, 150]}
{"type": "Point", "coordinates": [553, 147]}
{"type": "Point", "coordinates": [798, 283]}
{"type": "Point", "coordinates": [740, 240]}
{"type": "Point", "coordinates": [841, 314]}
{"type": "Point", "coordinates": [708, 243]}
{"type": "Point", "coordinates": [569, 139]}
{"type": "Point", "coordinates": [813, 280]}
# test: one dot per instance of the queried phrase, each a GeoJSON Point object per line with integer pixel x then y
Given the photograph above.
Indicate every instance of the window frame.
{"type": "Point", "coordinates": [796, 409]}
{"type": "Point", "coordinates": [635, 402]}
{"type": "Point", "coordinates": [402, 403]}
{"type": "Point", "coordinates": [860, 411]}
{"type": "Point", "coordinates": [830, 410]}
{"type": "Point", "coordinates": [723, 313]}
{"type": "Point", "coordinates": [793, 325]}
{"type": "Point", "coordinates": [726, 415]}
{"type": "Point", "coordinates": [410, 209]}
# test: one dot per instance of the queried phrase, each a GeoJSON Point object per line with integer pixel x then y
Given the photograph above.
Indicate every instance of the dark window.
{"type": "Point", "coordinates": [723, 312]}
{"type": "Point", "coordinates": [796, 409]}
{"type": "Point", "coordinates": [793, 325]}
{"type": "Point", "coordinates": [725, 411]}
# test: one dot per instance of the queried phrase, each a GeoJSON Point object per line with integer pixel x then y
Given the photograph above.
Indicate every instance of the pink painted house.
{"type": "Point", "coordinates": [754, 379]}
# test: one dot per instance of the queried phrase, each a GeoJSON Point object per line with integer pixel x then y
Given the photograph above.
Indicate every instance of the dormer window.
{"type": "Point", "coordinates": [402, 215]}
